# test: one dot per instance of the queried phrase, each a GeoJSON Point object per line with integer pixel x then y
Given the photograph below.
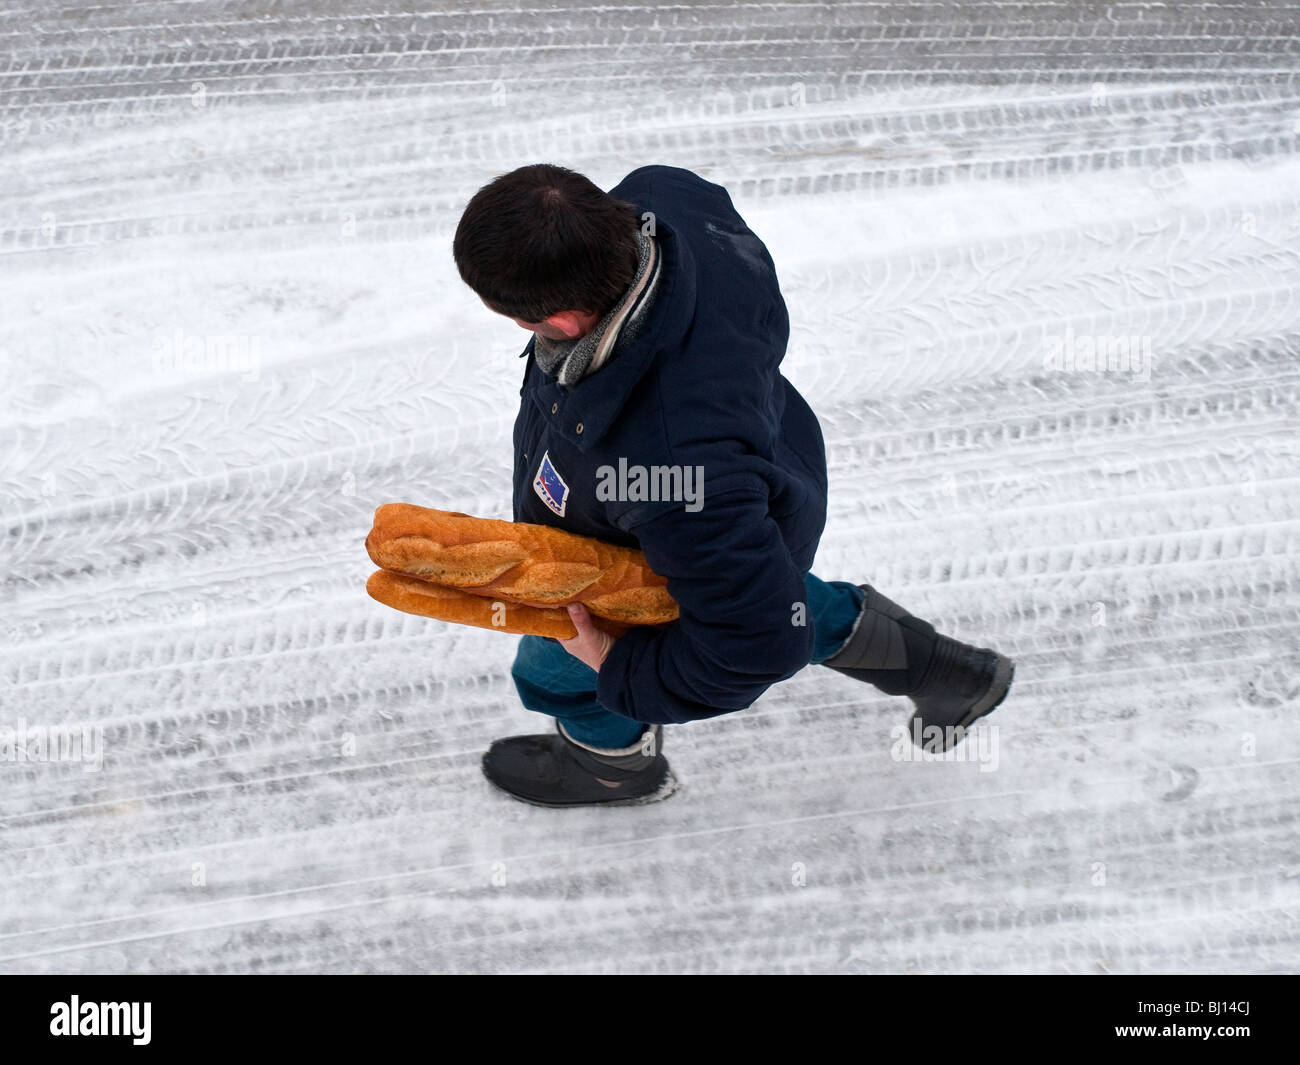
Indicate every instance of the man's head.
{"type": "Point", "coordinates": [546, 247]}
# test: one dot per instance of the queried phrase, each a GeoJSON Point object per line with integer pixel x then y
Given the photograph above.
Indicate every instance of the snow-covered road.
{"type": "Point", "coordinates": [230, 327]}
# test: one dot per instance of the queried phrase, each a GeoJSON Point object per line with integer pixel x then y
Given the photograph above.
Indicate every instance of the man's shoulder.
{"type": "Point", "coordinates": [662, 179]}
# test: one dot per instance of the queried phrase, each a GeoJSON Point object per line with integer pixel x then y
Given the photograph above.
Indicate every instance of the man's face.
{"type": "Point", "coordinates": [544, 328]}
{"type": "Point", "coordinates": [566, 325]}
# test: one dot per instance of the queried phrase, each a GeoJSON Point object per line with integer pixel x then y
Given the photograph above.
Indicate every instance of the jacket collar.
{"type": "Point", "coordinates": [595, 401]}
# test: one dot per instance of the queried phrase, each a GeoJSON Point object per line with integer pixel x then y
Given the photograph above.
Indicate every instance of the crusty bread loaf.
{"type": "Point", "coordinates": [516, 562]}
{"type": "Point", "coordinates": [414, 596]}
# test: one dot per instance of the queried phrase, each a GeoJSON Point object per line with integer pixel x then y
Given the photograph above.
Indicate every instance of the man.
{"type": "Point", "coordinates": [658, 331]}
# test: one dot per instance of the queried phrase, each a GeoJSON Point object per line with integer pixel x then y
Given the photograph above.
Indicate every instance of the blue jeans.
{"type": "Point", "coordinates": [551, 681]}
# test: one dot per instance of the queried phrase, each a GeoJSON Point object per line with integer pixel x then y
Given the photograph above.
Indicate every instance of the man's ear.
{"type": "Point", "coordinates": [567, 322]}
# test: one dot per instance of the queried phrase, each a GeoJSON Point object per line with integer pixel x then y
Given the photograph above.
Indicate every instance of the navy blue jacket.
{"type": "Point", "coordinates": [699, 386]}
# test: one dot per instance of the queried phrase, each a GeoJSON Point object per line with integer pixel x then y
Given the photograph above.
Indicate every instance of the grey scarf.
{"type": "Point", "coordinates": [571, 360]}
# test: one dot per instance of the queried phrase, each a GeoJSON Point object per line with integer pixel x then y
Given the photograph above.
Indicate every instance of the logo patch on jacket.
{"type": "Point", "coordinates": [550, 486]}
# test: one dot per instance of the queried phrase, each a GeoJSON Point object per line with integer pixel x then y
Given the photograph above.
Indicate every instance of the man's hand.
{"type": "Point", "coordinates": [591, 645]}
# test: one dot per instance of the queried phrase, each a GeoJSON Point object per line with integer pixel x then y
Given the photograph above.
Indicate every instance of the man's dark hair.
{"type": "Point", "coordinates": [544, 239]}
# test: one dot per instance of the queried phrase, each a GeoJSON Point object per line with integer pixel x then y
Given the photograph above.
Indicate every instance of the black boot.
{"type": "Point", "coordinates": [556, 770]}
{"type": "Point", "coordinates": [951, 683]}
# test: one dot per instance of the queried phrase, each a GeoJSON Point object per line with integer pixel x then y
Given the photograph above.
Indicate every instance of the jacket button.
{"type": "Point", "coordinates": [554, 407]}
{"type": "Point", "coordinates": [578, 427]}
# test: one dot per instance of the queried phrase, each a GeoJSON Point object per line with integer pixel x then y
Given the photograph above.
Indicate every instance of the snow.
{"type": "Point", "coordinates": [290, 776]}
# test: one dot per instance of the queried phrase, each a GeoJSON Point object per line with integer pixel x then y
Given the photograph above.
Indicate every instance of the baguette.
{"type": "Point", "coordinates": [414, 596]}
{"type": "Point", "coordinates": [516, 562]}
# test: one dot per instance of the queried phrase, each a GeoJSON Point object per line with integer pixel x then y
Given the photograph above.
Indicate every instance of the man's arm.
{"type": "Point", "coordinates": [736, 636]}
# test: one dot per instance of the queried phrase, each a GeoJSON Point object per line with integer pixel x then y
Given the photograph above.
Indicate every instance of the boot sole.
{"type": "Point", "coordinates": [669, 787]}
{"type": "Point", "coordinates": [1003, 674]}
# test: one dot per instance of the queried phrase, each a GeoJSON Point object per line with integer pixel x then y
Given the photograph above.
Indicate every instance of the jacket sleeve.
{"type": "Point", "coordinates": [739, 629]}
